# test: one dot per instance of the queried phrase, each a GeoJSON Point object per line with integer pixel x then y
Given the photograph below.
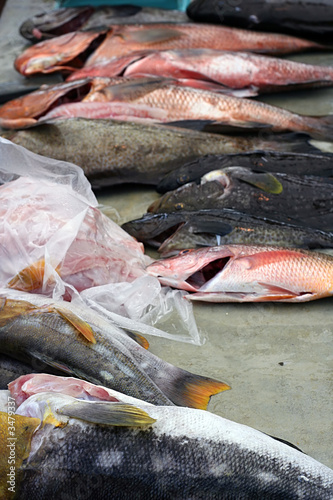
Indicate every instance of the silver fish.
{"type": "Point", "coordinates": [176, 453]}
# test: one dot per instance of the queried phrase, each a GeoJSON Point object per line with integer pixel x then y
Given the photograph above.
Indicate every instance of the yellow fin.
{"type": "Point", "coordinates": [140, 339]}
{"type": "Point", "coordinates": [16, 448]}
{"type": "Point", "coordinates": [78, 323]}
{"type": "Point", "coordinates": [197, 392]}
{"type": "Point", "coordinates": [107, 413]}
{"type": "Point", "coordinates": [264, 181]}
{"type": "Point", "coordinates": [30, 278]}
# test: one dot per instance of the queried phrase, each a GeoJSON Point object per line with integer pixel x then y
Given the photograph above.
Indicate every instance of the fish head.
{"type": "Point", "coordinates": [191, 269]}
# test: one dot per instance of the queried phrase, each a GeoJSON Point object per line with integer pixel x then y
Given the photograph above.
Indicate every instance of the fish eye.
{"type": "Point", "coordinates": [179, 206]}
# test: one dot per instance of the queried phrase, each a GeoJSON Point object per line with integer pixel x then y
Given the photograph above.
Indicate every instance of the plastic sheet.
{"type": "Point", "coordinates": [55, 241]}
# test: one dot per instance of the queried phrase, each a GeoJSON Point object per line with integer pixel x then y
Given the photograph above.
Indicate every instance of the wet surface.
{"type": "Point", "coordinates": [278, 358]}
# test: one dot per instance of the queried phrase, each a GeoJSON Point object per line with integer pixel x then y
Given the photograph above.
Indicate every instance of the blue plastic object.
{"type": "Point", "coordinates": [158, 4]}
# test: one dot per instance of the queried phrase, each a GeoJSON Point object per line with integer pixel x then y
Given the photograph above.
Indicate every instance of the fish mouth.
{"type": "Point", "coordinates": [207, 273]}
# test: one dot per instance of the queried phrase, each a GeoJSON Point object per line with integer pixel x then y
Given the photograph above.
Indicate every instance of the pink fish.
{"type": "Point", "coordinates": [237, 70]}
{"type": "Point", "coordinates": [244, 273]}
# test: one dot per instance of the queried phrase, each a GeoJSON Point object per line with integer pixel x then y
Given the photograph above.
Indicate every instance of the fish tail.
{"type": "Point", "coordinates": [321, 128]}
{"type": "Point", "coordinates": [194, 391]}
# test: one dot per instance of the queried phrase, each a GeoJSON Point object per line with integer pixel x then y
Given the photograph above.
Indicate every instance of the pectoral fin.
{"type": "Point", "coordinates": [265, 181]}
{"type": "Point", "coordinates": [78, 323]}
{"type": "Point", "coordinates": [107, 413]}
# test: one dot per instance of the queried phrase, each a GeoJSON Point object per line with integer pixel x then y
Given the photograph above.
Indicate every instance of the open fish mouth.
{"type": "Point", "coordinates": [204, 275]}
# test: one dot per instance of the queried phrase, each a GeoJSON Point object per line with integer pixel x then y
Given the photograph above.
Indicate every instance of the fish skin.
{"type": "Point", "coordinates": [248, 273]}
{"type": "Point", "coordinates": [175, 231]}
{"type": "Point", "coordinates": [305, 200]}
{"type": "Point", "coordinates": [307, 18]}
{"type": "Point", "coordinates": [184, 453]}
{"type": "Point", "coordinates": [122, 40]}
{"type": "Point", "coordinates": [114, 152]}
{"type": "Point", "coordinates": [305, 163]}
{"type": "Point", "coordinates": [37, 331]}
{"type": "Point", "coordinates": [236, 70]}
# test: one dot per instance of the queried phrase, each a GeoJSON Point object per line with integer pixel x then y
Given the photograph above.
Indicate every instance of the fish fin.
{"type": "Point", "coordinates": [30, 278]}
{"type": "Point", "coordinates": [265, 181]}
{"type": "Point", "coordinates": [194, 391]}
{"type": "Point", "coordinates": [107, 413]}
{"type": "Point", "coordinates": [78, 323]}
{"type": "Point", "coordinates": [219, 297]}
{"type": "Point", "coordinates": [320, 127]}
{"type": "Point", "coordinates": [140, 339]}
{"type": "Point", "coordinates": [286, 442]}
{"type": "Point", "coordinates": [214, 227]}
{"type": "Point", "coordinates": [134, 89]}
{"type": "Point", "coordinates": [152, 35]}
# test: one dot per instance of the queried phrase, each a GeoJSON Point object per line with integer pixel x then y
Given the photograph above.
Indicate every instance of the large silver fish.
{"type": "Point", "coordinates": [80, 342]}
{"type": "Point", "coordinates": [128, 449]}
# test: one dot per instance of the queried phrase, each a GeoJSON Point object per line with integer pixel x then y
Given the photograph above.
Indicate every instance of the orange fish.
{"type": "Point", "coordinates": [57, 54]}
{"type": "Point", "coordinates": [159, 100]}
{"type": "Point", "coordinates": [25, 110]}
{"type": "Point", "coordinates": [123, 39]}
{"type": "Point", "coordinates": [245, 273]}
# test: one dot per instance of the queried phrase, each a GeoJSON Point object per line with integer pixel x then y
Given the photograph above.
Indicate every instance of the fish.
{"type": "Point", "coordinates": [248, 273]}
{"type": "Point", "coordinates": [11, 368]}
{"type": "Point", "coordinates": [113, 152]}
{"type": "Point", "coordinates": [25, 110]}
{"type": "Point", "coordinates": [162, 102]}
{"type": "Point", "coordinates": [236, 70]}
{"type": "Point", "coordinates": [175, 231]}
{"type": "Point", "coordinates": [80, 342]}
{"type": "Point", "coordinates": [285, 197]}
{"type": "Point", "coordinates": [199, 451]}
{"type": "Point", "coordinates": [65, 52]}
{"type": "Point", "coordinates": [307, 18]}
{"type": "Point", "coordinates": [33, 107]}
{"type": "Point", "coordinates": [123, 39]}
{"type": "Point", "coordinates": [71, 50]}
{"type": "Point", "coordinates": [305, 163]}
{"type": "Point", "coordinates": [56, 22]}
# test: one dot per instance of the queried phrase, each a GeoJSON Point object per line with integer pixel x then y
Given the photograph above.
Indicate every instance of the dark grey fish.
{"type": "Point", "coordinates": [318, 164]}
{"type": "Point", "coordinates": [60, 21]}
{"type": "Point", "coordinates": [182, 454]}
{"type": "Point", "coordinates": [175, 231]}
{"type": "Point", "coordinates": [114, 152]}
{"type": "Point", "coordinates": [309, 18]}
{"type": "Point", "coordinates": [11, 368]}
{"type": "Point", "coordinates": [34, 328]}
{"type": "Point", "coordinates": [305, 200]}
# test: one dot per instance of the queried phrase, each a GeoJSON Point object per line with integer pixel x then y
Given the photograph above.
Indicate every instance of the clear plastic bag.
{"type": "Point", "coordinates": [55, 241]}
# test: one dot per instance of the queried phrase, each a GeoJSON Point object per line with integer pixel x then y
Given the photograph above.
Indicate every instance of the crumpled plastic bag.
{"type": "Point", "coordinates": [55, 241]}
